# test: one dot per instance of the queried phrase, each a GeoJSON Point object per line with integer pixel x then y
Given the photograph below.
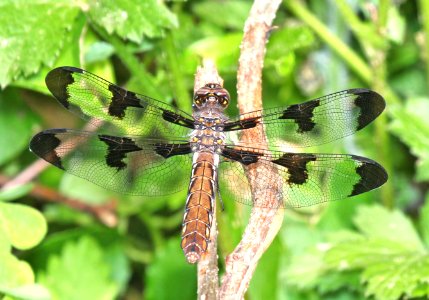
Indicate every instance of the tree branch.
{"type": "Point", "coordinates": [264, 223]}
{"type": "Point", "coordinates": [208, 280]}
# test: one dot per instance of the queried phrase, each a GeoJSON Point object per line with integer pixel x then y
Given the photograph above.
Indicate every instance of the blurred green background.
{"type": "Point", "coordinates": [55, 238]}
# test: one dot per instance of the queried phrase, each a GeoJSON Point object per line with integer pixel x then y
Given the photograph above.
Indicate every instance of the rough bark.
{"type": "Point", "coordinates": [264, 223]}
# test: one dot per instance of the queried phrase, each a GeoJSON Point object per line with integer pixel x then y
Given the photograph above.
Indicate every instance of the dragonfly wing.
{"type": "Point", "coordinates": [301, 179]}
{"type": "Point", "coordinates": [315, 122]}
{"type": "Point", "coordinates": [129, 165]}
{"type": "Point", "coordinates": [95, 99]}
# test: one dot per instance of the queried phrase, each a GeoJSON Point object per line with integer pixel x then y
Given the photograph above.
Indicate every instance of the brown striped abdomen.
{"type": "Point", "coordinates": [197, 220]}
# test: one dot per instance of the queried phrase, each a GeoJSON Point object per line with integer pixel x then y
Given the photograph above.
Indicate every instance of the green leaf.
{"type": "Point", "coordinates": [13, 272]}
{"type": "Point", "coordinates": [78, 188]}
{"type": "Point", "coordinates": [5, 245]}
{"type": "Point", "coordinates": [392, 257]}
{"type": "Point", "coordinates": [27, 292]}
{"type": "Point", "coordinates": [422, 169]}
{"type": "Point", "coordinates": [376, 222]}
{"type": "Point", "coordinates": [400, 276]}
{"type": "Point", "coordinates": [79, 272]}
{"type": "Point", "coordinates": [412, 81]}
{"type": "Point", "coordinates": [360, 254]}
{"type": "Point", "coordinates": [332, 281]}
{"type": "Point", "coordinates": [132, 19]}
{"type": "Point", "coordinates": [27, 39]}
{"type": "Point", "coordinates": [23, 225]}
{"type": "Point", "coordinates": [387, 251]}
{"type": "Point", "coordinates": [411, 126]}
{"type": "Point", "coordinates": [15, 192]}
{"type": "Point", "coordinates": [14, 114]}
{"type": "Point", "coordinates": [170, 267]}
{"type": "Point", "coordinates": [234, 13]}
{"type": "Point", "coordinates": [99, 51]}
{"type": "Point", "coordinates": [290, 39]}
{"type": "Point", "coordinates": [304, 271]}
{"type": "Point", "coordinates": [223, 49]}
{"type": "Point", "coordinates": [298, 236]}
{"type": "Point", "coordinates": [283, 65]}
{"type": "Point", "coordinates": [424, 221]}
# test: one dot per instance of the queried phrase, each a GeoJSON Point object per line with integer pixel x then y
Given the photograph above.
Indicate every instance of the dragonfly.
{"type": "Point", "coordinates": [143, 146]}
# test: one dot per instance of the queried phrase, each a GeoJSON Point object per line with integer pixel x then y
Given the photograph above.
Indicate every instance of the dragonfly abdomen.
{"type": "Point", "coordinates": [198, 216]}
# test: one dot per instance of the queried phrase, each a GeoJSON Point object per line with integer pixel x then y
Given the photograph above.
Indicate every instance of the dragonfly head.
{"type": "Point", "coordinates": [212, 95]}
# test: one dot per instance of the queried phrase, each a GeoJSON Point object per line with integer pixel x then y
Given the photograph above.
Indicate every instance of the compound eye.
{"type": "Point", "coordinates": [197, 101]}
{"type": "Point", "coordinates": [224, 101]}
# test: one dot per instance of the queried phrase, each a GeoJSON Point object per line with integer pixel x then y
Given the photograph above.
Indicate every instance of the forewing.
{"type": "Point", "coordinates": [95, 99]}
{"type": "Point", "coordinates": [297, 179]}
{"type": "Point", "coordinates": [315, 122]}
{"type": "Point", "coordinates": [129, 165]}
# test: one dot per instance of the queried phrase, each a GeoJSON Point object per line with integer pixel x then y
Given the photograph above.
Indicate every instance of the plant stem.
{"type": "Point", "coordinates": [424, 9]}
{"type": "Point", "coordinates": [378, 63]}
{"type": "Point", "coordinates": [349, 56]}
{"type": "Point", "coordinates": [178, 80]}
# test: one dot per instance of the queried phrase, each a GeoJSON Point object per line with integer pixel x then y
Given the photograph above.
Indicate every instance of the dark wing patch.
{"type": "Point", "coordinates": [177, 119]}
{"type": "Point", "coordinates": [315, 122]}
{"type": "Point", "coordinates": [302, 115]}
{"type": "Point", "coordinates": [117, 150]}
{"type": "Point", "coordinates": [95, 99]}
{"type": "Point", "coordinates": [44, 145]}
{"type": "Point", "coordinates": [370, 105]}
{"type": "Point", "coordinates": [57, 81]}
{"type": "Point", "coordinates": [240, 155]}
{"type": "Point", "coordinates": [129, 165]}
{"type": "Point", "coordinates": [297, 166]}
{"type": "Point", "coordinates": [371, 175]}
{"type": "Point", "coordinates": [304, 179]}
{"type": "Point", "coordinates": [167, 150]}
{"type": "Point", "coordinates": [121, 100]}
{"type": "Point", "coordinates": [242, 124]}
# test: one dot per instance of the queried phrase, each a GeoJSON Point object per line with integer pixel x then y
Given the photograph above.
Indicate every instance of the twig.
{"type": "Point", "coordinates": [105, 213]}
{"type": "Point", "coordinates": [208, 280]}
{"type": "Point", "coordinates": [264, 223]}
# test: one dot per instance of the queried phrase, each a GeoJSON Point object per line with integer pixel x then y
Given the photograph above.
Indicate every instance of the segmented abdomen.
{"type": "Point", "coordinates": [198, 216]}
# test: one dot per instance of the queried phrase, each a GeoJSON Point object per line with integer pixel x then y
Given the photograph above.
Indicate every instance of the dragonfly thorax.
{"type": "Point", "coordinates": [208, 134]}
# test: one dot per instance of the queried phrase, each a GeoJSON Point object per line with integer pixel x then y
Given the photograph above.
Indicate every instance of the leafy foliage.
{"type": "Point", "coordinates": [21, 119]}
{"type": "Point", "coordinates": [79, 263]}
{"type": "Point", "coordinates": [393, 259]}
{"type": "Point", "coordinates": [21, 55]}
{"type": "Point", "coordinates": [130, 20]}
{"type": "Point", "coordinates": [21, 227]}
{"type": "Point", "coordinates": [166, 265]}
{"type": "Point", "coordinates": [412, 127]}
{"type": "Point", "coordinates": [344, 250]}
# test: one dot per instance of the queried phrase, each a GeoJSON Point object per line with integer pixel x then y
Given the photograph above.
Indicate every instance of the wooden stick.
{"type": "Point", "coordinates": [208, 279]}
{"type": "Point", "coordinates": [264, 223]}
